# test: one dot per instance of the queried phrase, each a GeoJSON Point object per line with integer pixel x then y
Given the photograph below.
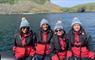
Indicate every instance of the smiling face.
{"type": "Point", "coordinates": [59, 32]}
{"type": "Point", "coordinates": [45, 27]}
{"type": "Point", "coordinates": [76, 27]}
{"type": "Point", "coordinates": [24, 30]}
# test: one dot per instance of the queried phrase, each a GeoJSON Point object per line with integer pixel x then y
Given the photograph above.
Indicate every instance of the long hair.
{"type": "Point", "coordinates": [20, 31]}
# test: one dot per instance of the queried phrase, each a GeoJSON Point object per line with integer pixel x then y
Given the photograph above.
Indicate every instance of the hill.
{"type": "Point", "coordinates": [40, 6]}
{"type": "Point", "coordinates": [89, 7]}
{"type": "Point", "coordinates": [28, 6]}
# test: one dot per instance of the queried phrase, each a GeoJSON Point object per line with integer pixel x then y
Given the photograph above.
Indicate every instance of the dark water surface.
{"type": "Point", "coordinates": [9, 25]}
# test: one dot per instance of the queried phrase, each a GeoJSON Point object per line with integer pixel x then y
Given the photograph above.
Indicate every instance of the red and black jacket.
{"type": "Point", "coordinates": [84, 39]}
{"type": "Point", "coordinates": [56, 46]}
{"type": "Point", "coordinates": [40, 35]}
{"type": "Point", "coordinates": [80, 43]}
{"type": "Point", "coordinates": [30, 40]}
{"type": "Point", "coordinates": [44, 44]}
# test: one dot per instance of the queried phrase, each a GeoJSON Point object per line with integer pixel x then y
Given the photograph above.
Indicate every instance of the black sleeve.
{"type": "Point", "coordinates": [35, 38]}
{"type": "Point", "coordinates": [39, 37]}
{"type": "Point", "coordinates": [89, 42]}
{"type": "Point", "coordinates": [34, 41]}
{"type": "Point", "coordinates": [69, 41]}
{"type": "Point", "coordinates": [52, 47]}
{"type": "Point", "coordinates": [68, 44]}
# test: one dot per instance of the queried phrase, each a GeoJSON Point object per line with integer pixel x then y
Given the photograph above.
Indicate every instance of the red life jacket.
{"type": "Point", "coordinates": [78, 42]}
{"type": "Point", "coordinates": [62, 43]}
{"type": "Point", "coordinates": [44, 36]}
{"type": "Point", "coordinates": [55, 57]}
{"type": "Point", "coordinates": [79, 50]}
{"type": "Point", "coordinates": [91, 55]}
{"type": "Point", "coordinates": [21, 51]}
{"type": "Point", "coordinates": [60, 55]}
{"type": "Point", "coordinates": [77, 38]}
{"type": "Point", "coordinates": [47, 46]}
{"type": "Point", "coordinates": [24, 38]}
{"type": "Point", "coordinates": [43, 48]}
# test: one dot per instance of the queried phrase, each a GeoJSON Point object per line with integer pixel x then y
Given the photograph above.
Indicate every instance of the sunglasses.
{"type": "Point", "coordinates": [58, 30]}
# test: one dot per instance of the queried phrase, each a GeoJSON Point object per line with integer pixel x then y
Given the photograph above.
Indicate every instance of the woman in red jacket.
{"type": "Point", "coordinates": [59, 43]}
{"type": "Point", "coordinates": [43, 41]}
{"type": "Point", "coordinates": [24, 42]}
{"type": "Point", "coordinates": [80, 41]}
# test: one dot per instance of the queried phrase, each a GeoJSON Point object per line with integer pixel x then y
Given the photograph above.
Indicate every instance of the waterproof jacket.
{"type": "Point", "coordinates": [24, 45]}
{"type": "Point", "coordinates": [30, 40]}
{"type": "Point", "coordinates": [43, 42]}
{"type": "Point", "coordinates": [56, 45]}
{"type": "Point", "coordinates": [84, 39]}
{"type": "Point", "coordinates": [80, 43]}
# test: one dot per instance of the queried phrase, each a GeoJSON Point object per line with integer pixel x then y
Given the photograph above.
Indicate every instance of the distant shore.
{"type": "Point", "coordinates": [36, 7]}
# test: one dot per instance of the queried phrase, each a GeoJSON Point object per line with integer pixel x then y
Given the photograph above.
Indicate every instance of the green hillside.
{"type": "Point", "coordinates": [39, 6]}
{"type": "Point", "coordinates": [14, 1]}
{"type": "Point", "coordinates": [90, 7]}
{"type": "Point", "coordinates": [28, 6]}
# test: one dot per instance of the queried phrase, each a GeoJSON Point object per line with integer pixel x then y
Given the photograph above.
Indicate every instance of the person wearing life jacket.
{"type": "Point", "coordinates": [24, 42]}
{"type": "Point", "coordinates": [59, 43]}
{"type": "Point", "coordinates": [80, 41]}
{"type": "Point", "coordinates": [43, 41]}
